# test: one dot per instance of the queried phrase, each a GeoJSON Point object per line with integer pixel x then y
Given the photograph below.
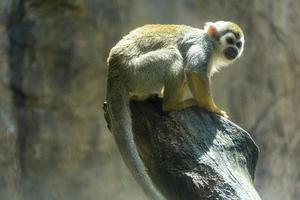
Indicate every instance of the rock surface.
{"type": "Point", "coordinates": [193, 154]}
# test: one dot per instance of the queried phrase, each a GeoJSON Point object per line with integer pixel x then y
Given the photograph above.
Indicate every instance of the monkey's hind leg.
{"type": "Point", "coordinates": [174, 93]}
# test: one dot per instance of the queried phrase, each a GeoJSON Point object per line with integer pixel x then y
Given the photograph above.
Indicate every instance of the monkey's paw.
{"type": "Point", "coordinates": [221, 112]}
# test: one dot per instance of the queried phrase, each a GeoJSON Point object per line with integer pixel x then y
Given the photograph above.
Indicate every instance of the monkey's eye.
{"type": "Point", "coordinates": [229, 40]}
{"type": "Point", "coordinates": [238, 44]}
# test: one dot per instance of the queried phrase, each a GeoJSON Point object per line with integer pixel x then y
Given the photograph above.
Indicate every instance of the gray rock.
{"type": "Point", "coordinates": [194, 154]}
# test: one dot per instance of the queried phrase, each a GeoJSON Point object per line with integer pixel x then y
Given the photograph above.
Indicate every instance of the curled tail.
{"type": "Point", "coordinates": [121, 127]}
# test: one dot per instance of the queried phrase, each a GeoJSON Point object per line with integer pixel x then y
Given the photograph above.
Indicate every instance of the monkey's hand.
{"type": "Point", "coordinates": [220, 112]}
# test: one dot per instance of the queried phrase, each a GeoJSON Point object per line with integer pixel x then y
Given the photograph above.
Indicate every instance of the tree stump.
{"type": "Point", "coordinates": [194, 154]}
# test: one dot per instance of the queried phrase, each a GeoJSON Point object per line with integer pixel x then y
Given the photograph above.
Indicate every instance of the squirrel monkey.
{"type": "Point", "coordinates": [168, 60]}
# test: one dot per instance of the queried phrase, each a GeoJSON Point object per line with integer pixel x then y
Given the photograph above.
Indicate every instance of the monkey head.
{"type": "Point", "coordinates": [228, 40]}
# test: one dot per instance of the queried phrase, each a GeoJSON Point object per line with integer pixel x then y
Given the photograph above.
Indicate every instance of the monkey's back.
{"type": "Point", "coordinates": [148, 38]}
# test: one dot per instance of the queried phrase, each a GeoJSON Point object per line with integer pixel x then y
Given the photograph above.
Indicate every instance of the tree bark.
{"type": "Point", "coordinates": [194, 154]}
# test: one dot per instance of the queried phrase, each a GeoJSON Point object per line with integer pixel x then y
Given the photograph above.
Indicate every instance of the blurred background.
{"type": "Point", "coordinates": [54, 144]}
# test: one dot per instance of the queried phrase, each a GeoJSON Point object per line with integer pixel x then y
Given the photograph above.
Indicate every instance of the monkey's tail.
{"type": "Point", "coordinates": [121, 127]}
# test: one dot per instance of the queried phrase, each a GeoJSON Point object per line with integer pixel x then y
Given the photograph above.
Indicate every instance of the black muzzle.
{"type": "Point", "coordinates": [231, 53]}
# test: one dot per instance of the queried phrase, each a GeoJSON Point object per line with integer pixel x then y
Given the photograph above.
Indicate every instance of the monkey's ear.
{"type": "Point", "coordinates": [211, 29]}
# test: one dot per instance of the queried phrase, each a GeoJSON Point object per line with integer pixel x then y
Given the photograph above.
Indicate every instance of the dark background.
{"type": "Point", "coordinates": [54, 144]}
